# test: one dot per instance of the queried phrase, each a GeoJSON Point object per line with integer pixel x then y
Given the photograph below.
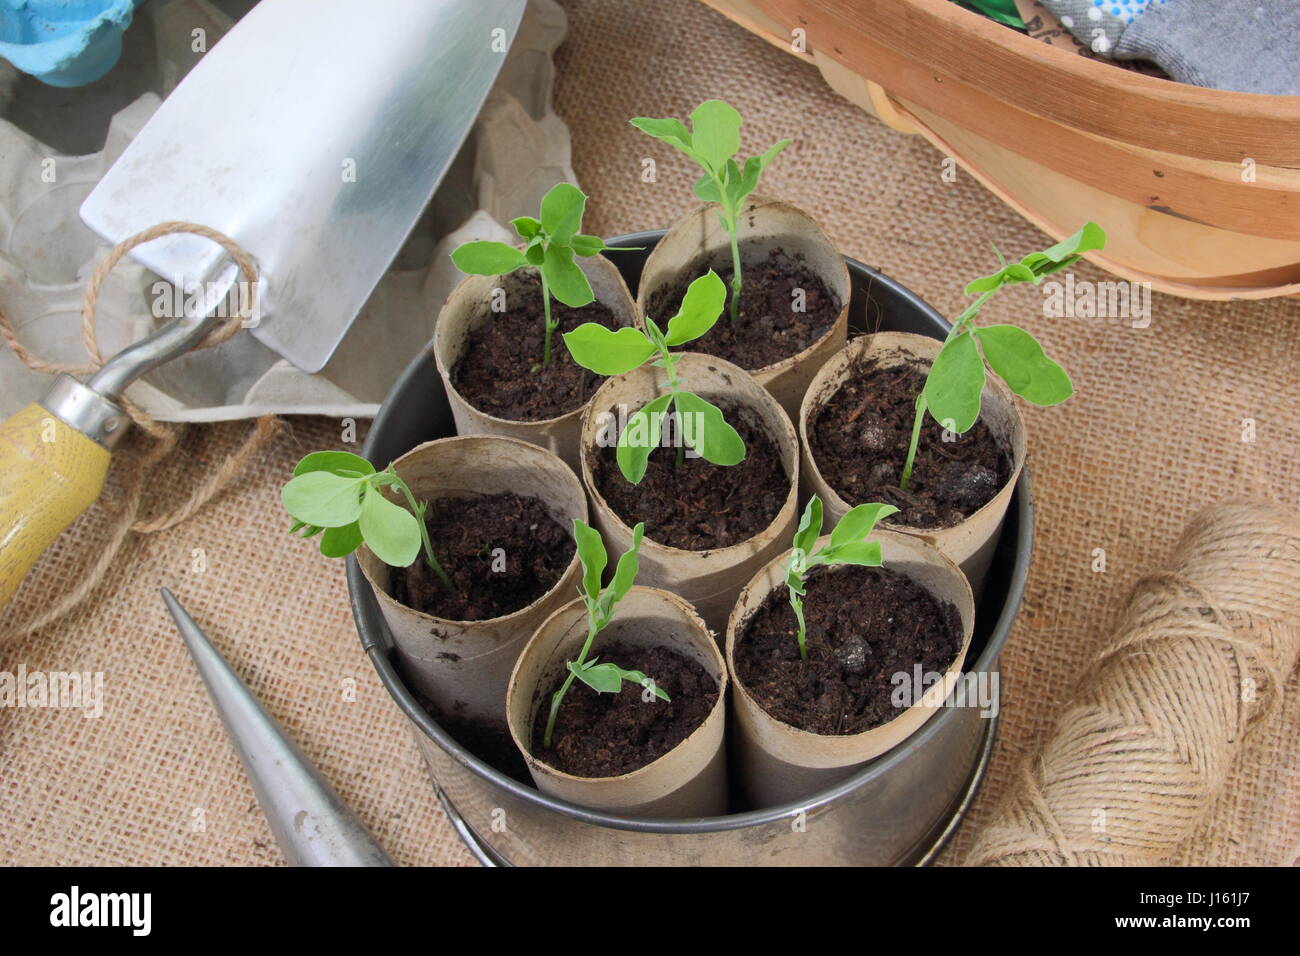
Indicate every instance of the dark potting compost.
{"type": "Point", "coordinates": [860, 438]}
{"type": "Point", "coordinates": [466, 533]}
{"type": "Point", "coordinates": [605, 735]}
{"type": "Point", "coordinates": [768, 328]}
{"type": "Point", "coordinates": [696, 505]}
{"type": "Point", "coordinates": [864, 626]}
{"type": "Point", "coordinates": [501, 373]}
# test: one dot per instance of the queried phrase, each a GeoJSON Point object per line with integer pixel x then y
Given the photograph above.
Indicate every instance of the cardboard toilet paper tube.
{"type": "Point", "coordinates": [709, 580]}
{"type": "Point", "coordinates": [463, 666]}
{"type": "Point", "coordinates": [688, 781]}
{"type": "Point", "coordinates": [469, 306]}
{"type": "Point", "coordinates": [699, 241]}
{"type": "Point", "coordinates": [778, 762]}
{"type": "Point", "coordinates": [970, 543]}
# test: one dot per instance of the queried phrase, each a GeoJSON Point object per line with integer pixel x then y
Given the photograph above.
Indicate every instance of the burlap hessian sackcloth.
{"type": "Point", "coordinates": [1154, 432]}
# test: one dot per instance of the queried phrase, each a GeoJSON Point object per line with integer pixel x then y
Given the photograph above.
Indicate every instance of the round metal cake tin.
{"type": "Point", "coordinates": [897, 810]}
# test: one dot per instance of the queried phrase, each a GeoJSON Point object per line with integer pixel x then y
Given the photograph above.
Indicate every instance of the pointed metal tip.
{"type": "Point", "coordinates": [310, 822]}
{"type": "Point", "coordinates": [189, 629]}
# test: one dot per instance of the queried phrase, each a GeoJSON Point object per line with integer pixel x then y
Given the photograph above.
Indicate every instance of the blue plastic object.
{"type": "Point", "coordinates": [64, 42]}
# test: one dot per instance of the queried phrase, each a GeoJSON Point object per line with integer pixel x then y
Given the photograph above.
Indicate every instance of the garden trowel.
{"type": "Point", "coordinates": [313, 134]}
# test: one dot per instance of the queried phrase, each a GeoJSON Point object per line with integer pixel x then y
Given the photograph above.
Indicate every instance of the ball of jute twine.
{"type": "Point", "coordinates": [1201, 655]}
{"type": "Point", "coordinates": [166, 437]}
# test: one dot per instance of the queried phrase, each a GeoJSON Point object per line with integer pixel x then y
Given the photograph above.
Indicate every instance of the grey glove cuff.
{"type": "Point", "coordinates": [1251, 46]}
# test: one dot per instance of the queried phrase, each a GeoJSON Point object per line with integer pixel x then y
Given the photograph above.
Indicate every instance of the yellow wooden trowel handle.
{"type": "Point", "coordinates": [53, 459]}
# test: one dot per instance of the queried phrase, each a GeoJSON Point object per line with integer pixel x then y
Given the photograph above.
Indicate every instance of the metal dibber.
{"type": "Point", "coordinates": [313, 826]}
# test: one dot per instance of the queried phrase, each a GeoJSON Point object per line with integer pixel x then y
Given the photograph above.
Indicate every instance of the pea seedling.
{"type": "Point", "coordinates": [613, 353]}
{"type": "Point", "coordinates": [953, 387]}
{"type": "Point", "coordinates": [551, 242]}
{"type": "Point", "coordinates": [713, 142]}
{"type": "Point", "coordinates": [336, 494]}
{"type": "Point", "coordinates": [848, 545]}
{"type": "Point", "coordinates": [606, 678]}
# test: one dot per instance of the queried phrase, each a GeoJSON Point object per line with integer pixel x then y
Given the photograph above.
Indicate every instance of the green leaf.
{"type": "Point", "coordinates": [607, 352]}
{"type": "Point", "coordinates": [1036, 265]}
{"type": "Point", "coordinates": [640, 436]}
{"type": "Point", "coordinates": [628, 565]}
{"type": "Point", "coordinates": [772, 153]}
{"type": "Point", "coordinates": [526, 227]}
{"type": "Point", "coordinates": [624, 575]}
{"type": "Point", "coordinates": [746, 181]}
{"type": "Point", "coordinates": [1042, 266]}
{"type": "Point", "coordinates": [1019, 360]}
{"type": "Point", "coordinates": [1016, 272]}
{"type": "Point", "coordinates": [706, 188]}
{"type": "Point", "coordinates": [340, 542]}
{"type": "Point", "coordinates": [1089, 238]}
{"type": "Point", "coordinates": [810, 526]}
{"type": "Point", "coordinates": [709, 433]}
{"type": "Point", "coordinates": [715, 132]}
{"type": "Point", "coordinates": [794, 578]}
{"type": "Point", "coordinates": [701, 306]}
{"type": "Point", "coordinates": [733, 186]}
{"type": "Point", "coordinates": [656, 335]}
{"type": "Point", "coordinates": [608, 678]}
{"type": "Point", "coordinates": [587, 246]}
{"type": "Point", "coordinates": [640, 679]}
{"type": "Point", "coordinates": [391, 531]}
{"type": "Point", "coordinates": [338, 462]}
{"type": "Point", "coordinates": [864, 553]}
{"type": "Point", "coordinates": [591, 552]}
{"type": "Point", "coordinates": [985, 283]}
{"type": "Point", "coordinates": [324, 499]}
{"type": "Point", "coordinates": [756, 164]}
{"type": "Point", "coordinates": [796, 602]}
{"type": "Point", "coordinates": [567, 282]}
{"type": "Point", "coordinates": [671, 131]}
{"type": "Point", "coordinates": [953, 387]}
{"type": "Point", "coordinates": [562, 209]}
{"type": "Point", "coordinates": [1066, 252]}
{"type": "Point", "coordinates": [602, 678]}
{"type": "Point", "coordinates": [859, 522]}
{"type": "Point", "coordinates": [485, 258]}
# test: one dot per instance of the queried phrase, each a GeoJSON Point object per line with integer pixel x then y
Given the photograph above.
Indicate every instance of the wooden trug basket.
{"type": "Point", "coordinates": [1198, 189]}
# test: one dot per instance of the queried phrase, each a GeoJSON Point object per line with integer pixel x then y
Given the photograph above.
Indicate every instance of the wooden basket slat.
{"type": "Point", "coordinates": [1173, 197]}
{"type": "Point", "coordinates": [1195, 192]}
{"type": "Point", "coordinates": [1070, 90]}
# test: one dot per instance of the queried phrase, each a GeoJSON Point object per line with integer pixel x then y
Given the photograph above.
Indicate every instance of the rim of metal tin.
{"type": "Point", "coordinates": [378, 644]}
{"type": "Point", "coordinates": [925, 852]}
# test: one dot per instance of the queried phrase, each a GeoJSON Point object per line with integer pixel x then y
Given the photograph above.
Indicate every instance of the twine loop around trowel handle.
{"type": "Point", "coordinates": [90, 301]}
{"type": "Point", "coordinates": [223, 332]}
{"type": "Point", "coordinates": [128, 519]}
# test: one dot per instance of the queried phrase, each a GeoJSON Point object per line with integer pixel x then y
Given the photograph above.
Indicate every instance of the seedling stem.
{"type": "Point", "coordinates": [955, 382]}
{"type": "Point", "coordinates": [606, 678]}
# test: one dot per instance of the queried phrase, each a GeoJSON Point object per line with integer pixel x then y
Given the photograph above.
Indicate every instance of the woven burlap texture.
{"type": "Point", "coordinates": [1147, 742]}
{"type": "Point", "coordinates": [1155, 432]}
